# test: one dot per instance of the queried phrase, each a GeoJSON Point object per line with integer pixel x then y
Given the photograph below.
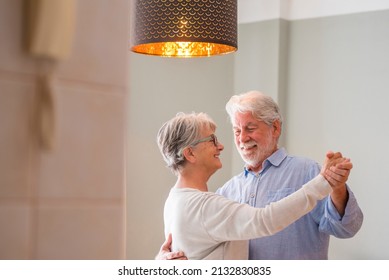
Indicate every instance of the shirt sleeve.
{"type": "Point", "coordinates": [342, 227]}
{"type": "Point", "coordinates": [330, 221]}
{"type": "Point", "coordinates": [225, 220]}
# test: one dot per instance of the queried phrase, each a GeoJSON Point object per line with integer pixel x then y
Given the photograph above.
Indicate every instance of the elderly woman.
{"type": "Point", "coordinates": [205, 225]}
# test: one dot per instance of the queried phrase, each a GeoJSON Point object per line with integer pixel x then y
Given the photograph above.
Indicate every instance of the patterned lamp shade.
{"type": "Point", "coordinates": [184, 28]}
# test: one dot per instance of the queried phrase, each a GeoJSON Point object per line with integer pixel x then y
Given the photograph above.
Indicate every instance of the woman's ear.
{"type": "Point", "coordinates": [188, 154]}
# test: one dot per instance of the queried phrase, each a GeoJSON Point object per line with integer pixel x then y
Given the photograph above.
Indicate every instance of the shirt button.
{"type": "Point", "coordinates": [252, 195]}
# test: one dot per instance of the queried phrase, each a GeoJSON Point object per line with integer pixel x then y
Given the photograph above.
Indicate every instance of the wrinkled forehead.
{"type": "Point", "coordinates": [244, 118]}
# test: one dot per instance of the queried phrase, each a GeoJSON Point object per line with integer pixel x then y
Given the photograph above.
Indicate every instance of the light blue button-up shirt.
{"type": "Point", "coordinates": [307, 238]}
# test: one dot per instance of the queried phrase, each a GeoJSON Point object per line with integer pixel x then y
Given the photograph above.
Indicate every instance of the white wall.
{"type": "Point", "coordinates": [337, 99]}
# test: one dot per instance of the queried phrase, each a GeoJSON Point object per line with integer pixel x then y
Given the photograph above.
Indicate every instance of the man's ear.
{"type": "Point", "coordinates": [277, 128]}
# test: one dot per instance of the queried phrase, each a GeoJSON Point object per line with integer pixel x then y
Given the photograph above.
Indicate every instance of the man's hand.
{"type": "Point", "coordinates": [336, 170]}
{"type": "Point", "coordinates": [165, 252]}
{"type": "Point", "coordinates": [337, 175]}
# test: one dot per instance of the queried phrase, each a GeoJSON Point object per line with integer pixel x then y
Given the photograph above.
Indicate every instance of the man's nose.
{"type": "Point", "coordinates": [244, 136]}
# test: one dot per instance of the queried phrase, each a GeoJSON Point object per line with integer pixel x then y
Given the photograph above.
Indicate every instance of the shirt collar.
{"type": "Point", "coordinates": [275, 159]}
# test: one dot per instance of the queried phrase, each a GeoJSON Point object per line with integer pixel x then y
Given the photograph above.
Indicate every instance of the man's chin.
{"type": "Point", "coordinates": [249, 160]}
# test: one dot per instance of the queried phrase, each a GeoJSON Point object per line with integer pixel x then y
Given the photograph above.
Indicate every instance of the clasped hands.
{"type": "Point", "coordinates": [336, 169]}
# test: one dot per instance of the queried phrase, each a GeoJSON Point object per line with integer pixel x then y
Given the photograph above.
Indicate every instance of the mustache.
{"type": "Point", "coordinates": [247, 145]}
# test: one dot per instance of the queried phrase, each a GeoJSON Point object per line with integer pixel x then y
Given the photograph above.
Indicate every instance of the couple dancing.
{"type": "Point", "coordinates": [206, 225]}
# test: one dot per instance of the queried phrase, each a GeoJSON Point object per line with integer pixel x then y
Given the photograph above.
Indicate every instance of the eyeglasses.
{"type": "Point", "coordinates": [212, 138]}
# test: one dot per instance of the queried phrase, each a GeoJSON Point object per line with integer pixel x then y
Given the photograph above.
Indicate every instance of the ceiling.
{"type": "Point", "coordinates": [260, 10]}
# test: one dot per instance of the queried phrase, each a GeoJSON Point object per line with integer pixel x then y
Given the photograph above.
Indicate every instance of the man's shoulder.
{"type": "Point", "coordinates": [298, 161]}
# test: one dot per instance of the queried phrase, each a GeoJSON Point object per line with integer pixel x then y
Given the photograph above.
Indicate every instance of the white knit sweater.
{"type": "Point", "coordinates": [205, 225]}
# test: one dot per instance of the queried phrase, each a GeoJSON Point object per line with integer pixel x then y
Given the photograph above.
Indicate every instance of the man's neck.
{"type": "Point", "coordinates": [258, 167]}
{"type": "Point", "coordinates": [255, 169]}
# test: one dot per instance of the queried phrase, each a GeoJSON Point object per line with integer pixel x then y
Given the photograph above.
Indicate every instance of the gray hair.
{"type": "Point", "coordinates": [178, 133]}
{"type": "Point", "coordinates": [261, 106]}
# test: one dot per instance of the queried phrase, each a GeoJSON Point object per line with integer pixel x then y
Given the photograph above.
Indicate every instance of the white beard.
{"type": "Point", "coordinates": [257, 157]}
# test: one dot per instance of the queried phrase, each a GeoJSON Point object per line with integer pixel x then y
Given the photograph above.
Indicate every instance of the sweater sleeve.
{"type": "Point", "coordinates": [225, 220]}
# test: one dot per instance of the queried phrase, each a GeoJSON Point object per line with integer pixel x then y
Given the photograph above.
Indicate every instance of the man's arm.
{"type": "Point", "coordinates": [337, 176]}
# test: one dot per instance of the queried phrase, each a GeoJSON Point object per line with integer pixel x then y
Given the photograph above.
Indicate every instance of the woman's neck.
{"type": "Point", "coordinates": [197, 183]}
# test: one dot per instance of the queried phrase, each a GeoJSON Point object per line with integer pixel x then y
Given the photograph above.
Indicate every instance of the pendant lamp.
{"type": "Point", "coordinates": [184, 28]}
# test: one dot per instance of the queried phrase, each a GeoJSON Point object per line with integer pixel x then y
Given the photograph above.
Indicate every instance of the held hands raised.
{"type": "Point", "coordinates": [336, 170]}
